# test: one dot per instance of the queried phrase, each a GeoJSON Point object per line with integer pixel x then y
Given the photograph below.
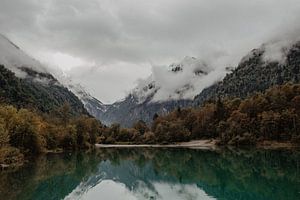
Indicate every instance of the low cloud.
{"type": "Point", "coordinates": [182, 80]}
{"type": "Point", "coordinates": [131, 34]}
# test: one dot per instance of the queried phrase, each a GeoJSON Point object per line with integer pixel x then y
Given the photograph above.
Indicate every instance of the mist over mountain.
{"type": "Point", "coordinates": [189, 82]}
{"type": "Point", "coordinates": [182, 80]}
{"type": "Point", "coordinates": [192, 82]}
{"type": "Point", "coordinates": [262, 68]}
{"type": "Point", "coordinates": [166, 89]}
{"type": "Point", "coordinates": [26, 83]}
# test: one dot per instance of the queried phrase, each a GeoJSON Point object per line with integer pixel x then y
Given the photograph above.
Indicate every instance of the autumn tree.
{"type": "Point", "coordinates": [4, 136]}
{"type": "Point", "coordinates": [141, 127]}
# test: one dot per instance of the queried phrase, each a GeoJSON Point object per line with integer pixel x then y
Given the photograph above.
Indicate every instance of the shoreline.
{"type": "Point", "coordinates": [276, 145]}
{"type": "Point", "coordinates": [195, 144]}
{"type": "Point", "coordinates": [205, 144]}
{"type": "Point", "coordinates": [210, 144]}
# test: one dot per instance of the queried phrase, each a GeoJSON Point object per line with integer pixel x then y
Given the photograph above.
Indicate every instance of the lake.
{"type": "Point", "coordinates": [157, 173]}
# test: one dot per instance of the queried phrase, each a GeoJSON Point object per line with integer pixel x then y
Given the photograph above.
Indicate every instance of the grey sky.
{"type": "Point", "coordinates": [107, 44]}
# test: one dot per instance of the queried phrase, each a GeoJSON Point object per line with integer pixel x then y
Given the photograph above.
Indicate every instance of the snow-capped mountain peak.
{"type": "Point", "coordinates": [191, 64]}
{"type": "Point", "coordinates": [93, 105]}
{"type": "Point", "coordinates": [181, 80]}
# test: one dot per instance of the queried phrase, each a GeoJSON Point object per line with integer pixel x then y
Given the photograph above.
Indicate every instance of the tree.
{"type": "Point", "coordinates": [4, 136]}
{"type": "Point", "coordinates": [289, 125]}
{"type": "Point", "coordinates": [9, 116]}
{"type": "Point", "coordinates": [155, 116]}
{"type": "Point", "coordinates": [270, 124]}
{"type": "Point", "coordinates": [64, 113]}
{"type": "Point", "coordinates": [149, 137]}
{"type": "Point", "coordinates": [220, 111]}
{"type": "Point", "coordinates": [296, 104]}
{"type": "Point", "coordinates": [238, 123]}
{"type": "Point", "coordinates": [26, 132]}
{"type": "Point", "coordinates": [69, 137]}
{"type": "Point", "coordinates": [114, 130]}
{"type": "Point", "coordinates": [141, 127]}
{"type": "Point", "coordinates": [174, 131]}
{"type": "Point", "coordinates": [189, 121]}
{"type": "Point", "coordinates": [204, 126]}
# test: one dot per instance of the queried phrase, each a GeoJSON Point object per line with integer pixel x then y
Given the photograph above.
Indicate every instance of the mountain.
{"type": "Point", "coordinates": [192, 82]}
{"type": "Point", "coordinates": [24, 82]}
{"type": "Point", "coordinates": [91, 104]}
{"type": "Point", "coordinates": [163, 91]}
{"type": "Point", "coordinates": [130, 110]}
{"type": "Point", "coordinates": [256, 73]}
{"type": "Point", "coordinates": [182, 80]}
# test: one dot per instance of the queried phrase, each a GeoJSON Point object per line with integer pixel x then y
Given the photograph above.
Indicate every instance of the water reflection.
{"type": "Point", "coordinates": [158, 174]}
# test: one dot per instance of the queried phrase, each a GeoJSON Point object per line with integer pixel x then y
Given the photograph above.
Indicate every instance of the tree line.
{"type": "Point", "coordinates": [24, 133]}
{"type": "Point", "coordinates": [271, 115]}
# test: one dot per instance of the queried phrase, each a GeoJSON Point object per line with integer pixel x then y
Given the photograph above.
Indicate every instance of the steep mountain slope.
{"type": "Point", "coordinates": [24, 82]}
{"type": "Point", "coordinates": [256, 73]}
{"type": "Point", "coordinates": [130, 110]}
{"type": "Point", "coordinates": [91, 104]}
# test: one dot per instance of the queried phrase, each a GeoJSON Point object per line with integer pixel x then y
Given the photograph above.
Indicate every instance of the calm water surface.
{"type": "Point", "coordinates": [130, 174]}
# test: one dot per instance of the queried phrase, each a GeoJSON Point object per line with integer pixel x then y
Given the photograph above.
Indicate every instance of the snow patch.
{"type": "Point", "coordinates": [182, 80]}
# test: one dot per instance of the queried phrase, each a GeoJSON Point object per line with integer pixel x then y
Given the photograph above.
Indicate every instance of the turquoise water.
{"type": "Point", "coordinates": [136, 173]}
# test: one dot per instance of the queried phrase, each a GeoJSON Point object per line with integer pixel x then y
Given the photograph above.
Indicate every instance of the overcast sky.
{"type": "Point", "coordinates": [106, 45]}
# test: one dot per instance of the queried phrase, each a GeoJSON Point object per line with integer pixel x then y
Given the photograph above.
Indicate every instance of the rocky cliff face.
{"type": "Point", "coordinates": [130, 110]}
{"type": "Point", "coordinates": [94, 107]}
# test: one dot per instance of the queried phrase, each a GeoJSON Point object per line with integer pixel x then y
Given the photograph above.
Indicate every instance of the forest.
{"type": "Point", "coordinates": [270, 116]}
{"type": "Point", "coordinates": [25, 133]}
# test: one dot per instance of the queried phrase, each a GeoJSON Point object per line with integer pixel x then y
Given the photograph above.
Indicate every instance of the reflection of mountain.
{"type": "Point", "coordinates": [250, 175]}
{"type": "Point", "coordinates": [158, 174]}
{"type": "Point", "coordinates": [141, 182]}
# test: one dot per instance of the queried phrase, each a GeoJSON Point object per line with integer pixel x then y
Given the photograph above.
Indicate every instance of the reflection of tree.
{"type": "Point", "coordinates": [230, 174]}
{"type": "Point", "coordinates": [225, 174]}
{"type": "Point", "coordinates": [52, 176]}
